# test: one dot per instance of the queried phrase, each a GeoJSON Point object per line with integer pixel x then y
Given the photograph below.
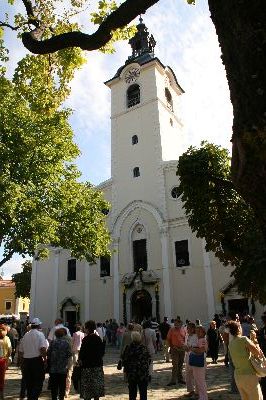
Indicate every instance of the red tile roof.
{"type": "Point", "coordinates": [7, 283]}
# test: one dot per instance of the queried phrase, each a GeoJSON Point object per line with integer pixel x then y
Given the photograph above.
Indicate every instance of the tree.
{"type": "Point", "coordinates": [216, 212]}
{"type": "Point", "coordinates": [42, 201]}
{"type": "Point", "coordinates": [22, 280]}
{"type": "Point", "coordinates": [240, 26]}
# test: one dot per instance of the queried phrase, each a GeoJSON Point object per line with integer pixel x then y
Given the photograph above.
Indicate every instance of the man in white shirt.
{"type": "Point", "coordinates": [57, 324]}
{"type": "Point", "coordinates": [32, 350]}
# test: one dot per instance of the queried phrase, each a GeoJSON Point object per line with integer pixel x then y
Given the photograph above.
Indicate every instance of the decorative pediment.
{"type": "Point", "coordinates": [228, 287]}
{"type": "Point", "coordinates": [140, 278]}
{"type": "Point", "coordinates": [69, 301]}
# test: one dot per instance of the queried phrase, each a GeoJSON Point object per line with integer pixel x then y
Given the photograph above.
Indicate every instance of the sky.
{"type": "Point", "coordinates": [187, 42]}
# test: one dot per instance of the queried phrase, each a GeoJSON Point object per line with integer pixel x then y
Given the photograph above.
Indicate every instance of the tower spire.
{"type": "Point", "coordinates": [142, 42]}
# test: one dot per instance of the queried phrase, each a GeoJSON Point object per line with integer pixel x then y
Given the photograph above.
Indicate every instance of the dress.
{"type": "Point", "coordinates": [136, 361]}
{"type": "Point", "coordinates": [92, 376]}
{"type": "Point", "coordinates": [58, 355]}
{"type": "Point", "coordinates": [213, 343]}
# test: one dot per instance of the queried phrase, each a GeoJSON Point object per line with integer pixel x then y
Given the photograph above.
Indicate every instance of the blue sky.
{"type": "Point", "coordinates": [186, 41]}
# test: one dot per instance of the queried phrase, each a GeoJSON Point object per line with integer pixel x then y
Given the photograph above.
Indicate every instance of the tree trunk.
{"type": "Point", "coordinates": [241, 30]}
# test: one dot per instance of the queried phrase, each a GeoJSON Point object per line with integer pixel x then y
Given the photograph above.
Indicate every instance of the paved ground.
{"type": "Point", "coordinates": [116, 389]}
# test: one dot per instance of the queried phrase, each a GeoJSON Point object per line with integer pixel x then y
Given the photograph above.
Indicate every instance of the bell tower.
{"type": "Point", "coordinates": [146, 128]}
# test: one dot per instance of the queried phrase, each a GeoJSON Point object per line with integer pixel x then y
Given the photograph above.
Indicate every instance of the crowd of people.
{"type": "Point", "coordinates": [187, 345]}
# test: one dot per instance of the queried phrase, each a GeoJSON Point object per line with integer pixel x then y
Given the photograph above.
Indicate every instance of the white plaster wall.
{"type": "Point", "coordinates": [101, 295]}
{"type": "Point", "coordinates": [45, 289]}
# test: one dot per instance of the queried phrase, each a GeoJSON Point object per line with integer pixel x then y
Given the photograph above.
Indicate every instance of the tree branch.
{"type": "Point", "coordinates": [30, 13]}
{"type": "Point", "coordinates": [6, 258]}
{"type": "Point", "coordinates": [225, 183]}
{"type": "Point", "coordinates": [14, 28]}
{"type": "Point", "coordinates": [126, 13]}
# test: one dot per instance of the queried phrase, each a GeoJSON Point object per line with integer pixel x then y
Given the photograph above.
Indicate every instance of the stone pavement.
{"type": "Point", "coordinates": [116, 389]}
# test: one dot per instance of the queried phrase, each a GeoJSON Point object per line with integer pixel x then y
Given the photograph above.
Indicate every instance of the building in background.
{"type": "Point", "coordinates": [9, 304]}
{"type": "Point", "coordinates": [158, 267]}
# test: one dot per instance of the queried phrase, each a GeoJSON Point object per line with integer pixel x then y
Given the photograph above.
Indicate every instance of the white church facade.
{"type": "Point", "coordinates": [158, 267]}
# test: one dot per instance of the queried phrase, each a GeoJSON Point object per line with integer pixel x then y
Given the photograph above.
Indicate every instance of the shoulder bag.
{"type": "Point", "coordinates": [196, 360]}
{"type": "Point", "coordinates": [259, 364]}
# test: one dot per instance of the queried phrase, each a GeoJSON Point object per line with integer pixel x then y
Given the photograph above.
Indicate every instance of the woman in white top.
{"type": "Point", "coordinates": [149, 340]}
{"type": "Point", "coordinates": [191, 341]}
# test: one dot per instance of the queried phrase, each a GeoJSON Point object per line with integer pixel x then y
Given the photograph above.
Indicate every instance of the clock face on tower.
{"type": "Point", "coordinates": [132, 75]}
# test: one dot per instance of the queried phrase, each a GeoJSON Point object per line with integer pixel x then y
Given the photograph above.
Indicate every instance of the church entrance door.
{"type": "Point", "coordinates": [141, 305]}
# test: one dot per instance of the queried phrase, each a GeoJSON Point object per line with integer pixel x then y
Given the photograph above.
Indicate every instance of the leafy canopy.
{"type": "Point", "coordinates": [22, 280]}
{"type": "Point", "coordinates": [42, 199]}
{"type": "Point", "coordinates": [216, 212]}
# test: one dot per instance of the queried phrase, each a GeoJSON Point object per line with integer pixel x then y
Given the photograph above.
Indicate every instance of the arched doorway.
{"type": "Point", "coordinates": [141, 305]}
{"type": "Point", "coordinates": [69, 311]}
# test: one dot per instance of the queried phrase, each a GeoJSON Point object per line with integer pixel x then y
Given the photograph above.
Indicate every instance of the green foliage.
{"type": "Point", "coordinates": [42, 201]}
{"type": "Point", "coordinates": [105, 8]}
{"type": "Point", "coordinates": [22, 280]}
{"type": "Point", "coordinates": [217, 213]}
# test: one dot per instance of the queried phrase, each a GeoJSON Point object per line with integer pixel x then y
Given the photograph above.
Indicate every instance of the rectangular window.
{"type": "Point", "coordinates": [140, 255]}
{"type": "Point", "coordinates": [8, 305]}
{"type": "Point", "coordinates": [182, 253]}
{"type": "Point", "coordinates": [71, 270]}
{"type": "Point", "coordinates": [104, 266]}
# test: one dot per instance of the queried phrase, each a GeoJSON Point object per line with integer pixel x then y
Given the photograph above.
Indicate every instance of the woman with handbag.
{"type": "Point", "coordinates": [240, 348]}
{"type": "Point", "coordinates": [191, 341]}
{"type": "Point", "coordinates": [197, 360]}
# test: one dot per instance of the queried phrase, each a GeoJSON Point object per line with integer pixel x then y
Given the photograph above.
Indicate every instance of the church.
{"type": "Point", "coordinates": [158, 266]}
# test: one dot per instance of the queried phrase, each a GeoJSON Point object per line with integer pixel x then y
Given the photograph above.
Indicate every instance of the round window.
{"type": "Point", "coordinates": [175, 192]}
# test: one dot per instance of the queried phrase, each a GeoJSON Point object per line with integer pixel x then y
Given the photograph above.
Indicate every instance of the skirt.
{"type": "Point", "coordinates": [92, 383]}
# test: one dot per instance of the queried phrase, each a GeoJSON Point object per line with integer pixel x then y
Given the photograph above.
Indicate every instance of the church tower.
{"type": "Point", "coordinates": [146, 129]}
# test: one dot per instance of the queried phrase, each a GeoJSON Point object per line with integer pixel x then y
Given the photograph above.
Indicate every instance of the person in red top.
{"type": "Point", "coordinates": [176, 339]}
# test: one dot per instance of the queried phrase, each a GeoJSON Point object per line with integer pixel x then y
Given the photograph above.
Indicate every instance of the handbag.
{"type": "Point", "coordinates": [119, 365]}
{"type": "Point", "coordinates": [196, 360]}
{"type": "Point", "coordinates": [259, 364]}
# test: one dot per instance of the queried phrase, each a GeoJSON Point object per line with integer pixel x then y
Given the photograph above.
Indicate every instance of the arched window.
{"type": "Point", "coordinates": [169, 100]}
{"type": "Point", "coordinates": [135, 139]}
{"type": "Point", "coordinates": [136, 172]}
{"type": "Point", "coordinates": [133, 95]}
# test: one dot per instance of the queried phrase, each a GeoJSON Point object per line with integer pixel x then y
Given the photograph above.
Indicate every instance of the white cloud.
{"type": "Point", "coordinates": [12, 266]}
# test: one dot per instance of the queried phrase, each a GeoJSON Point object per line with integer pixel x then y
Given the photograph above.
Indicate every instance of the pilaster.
{"type": "Point", "coordinates": [164, 235]}
{"type": "Point", "coordinates": [87, 268]}
{"type": "Point", "coordinates": [57, 253]}
{"type": "Point", "coordinates": [208, 282]}
{"type": "Point", "coordinates": [116, 288]}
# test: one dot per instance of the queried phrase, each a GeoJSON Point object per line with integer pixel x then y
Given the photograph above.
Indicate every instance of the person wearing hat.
{"type": "Point", "coordinates": [33, 352]}
{"type": "Point", "coordinates": [5, 352]}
